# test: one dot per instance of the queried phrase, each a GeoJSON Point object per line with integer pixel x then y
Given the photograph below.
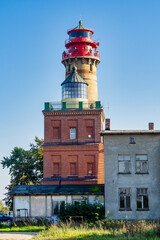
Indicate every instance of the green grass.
{"type": "Point", "coordinates": [130, 231]}
{"type": "Point", "coordinates": [6, 228]}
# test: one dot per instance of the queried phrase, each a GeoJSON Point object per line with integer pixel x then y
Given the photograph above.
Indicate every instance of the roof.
{"type": "Point", "coordinates": [80, 27]}
{"type": "Point", "coordinates": [74, 77]}
{"type": "Point", "coordinates": [128, 132]}
{"type": "Point", "coordinates": [58, 189]}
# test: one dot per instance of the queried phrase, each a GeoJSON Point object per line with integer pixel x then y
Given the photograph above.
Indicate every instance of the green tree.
{"type": "Point", "coordinates": [3, 209]}
{"type": "Point", "coordinates": [25, 166]}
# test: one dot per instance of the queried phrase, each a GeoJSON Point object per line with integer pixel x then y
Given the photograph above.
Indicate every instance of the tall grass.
{"type": "Point", "coordinates": [106, 229]}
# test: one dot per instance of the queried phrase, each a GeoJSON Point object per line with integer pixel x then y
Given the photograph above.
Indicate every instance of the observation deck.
{"type": "Point", "coordinates": [72, 105]}
{"type": "Point", "coordinates": [79, 53]}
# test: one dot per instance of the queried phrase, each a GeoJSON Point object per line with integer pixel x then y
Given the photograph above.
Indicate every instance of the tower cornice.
{"type": "Point", "coordinates": [73, 112]}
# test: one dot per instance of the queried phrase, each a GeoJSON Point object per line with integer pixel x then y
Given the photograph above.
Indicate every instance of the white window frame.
{"type": "Point", "coordinates": [124, 159]}
{"type": "Point", "coordinates": [72, 133]}
{"type": "Point", "coordinates": [141, 159]}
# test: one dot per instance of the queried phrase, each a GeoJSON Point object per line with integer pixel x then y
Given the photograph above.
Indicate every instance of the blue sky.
{"type": "Point", "coordinates": [32, 41]}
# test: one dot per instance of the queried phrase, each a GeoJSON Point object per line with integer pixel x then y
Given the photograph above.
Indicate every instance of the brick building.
{"type": "Point", "coordinates": [73, 148]}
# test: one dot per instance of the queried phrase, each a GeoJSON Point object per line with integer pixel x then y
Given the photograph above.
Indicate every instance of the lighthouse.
{"type": "Point", "coordinates": [82, 53]}
{"type": "Point", "coordinates": [73, 147]}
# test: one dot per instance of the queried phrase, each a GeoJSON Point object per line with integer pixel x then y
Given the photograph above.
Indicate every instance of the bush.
{"type": "Point", "coordinates": [89, 212]}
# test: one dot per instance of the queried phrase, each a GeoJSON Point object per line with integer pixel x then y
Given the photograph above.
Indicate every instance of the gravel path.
{"type": "Point", "coordinates": [17, 235]}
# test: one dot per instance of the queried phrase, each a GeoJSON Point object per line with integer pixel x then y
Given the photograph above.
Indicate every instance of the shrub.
{"type": "Point", "coordinates": [89, 212]}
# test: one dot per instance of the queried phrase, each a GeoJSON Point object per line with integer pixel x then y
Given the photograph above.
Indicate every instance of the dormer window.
{"type": "Point", "coordinates": [132, 141]}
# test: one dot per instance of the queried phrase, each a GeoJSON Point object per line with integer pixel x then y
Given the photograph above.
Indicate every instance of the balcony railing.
{"type": "Point", "coordinates": [67, 54]}
{"type": "Point", "coordinates": [75, 105]}
{"type": "Point", "coordinates": [81, 39]}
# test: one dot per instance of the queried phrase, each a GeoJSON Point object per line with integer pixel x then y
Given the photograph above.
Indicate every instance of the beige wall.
{"type": "Point", "coordinates": [41, 206]}
{"type": "Point", "coordinates": [83, 68]}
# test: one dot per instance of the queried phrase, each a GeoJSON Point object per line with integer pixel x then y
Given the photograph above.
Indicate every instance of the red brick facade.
{"type": "Point", "coordinates": [76, 155]}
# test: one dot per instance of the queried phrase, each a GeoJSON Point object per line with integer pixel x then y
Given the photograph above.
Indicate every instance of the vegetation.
{"type": "Point", "coordinates": [102, 230]}
{"type": "Point", "coordinates": [25, 166]}
{"type": "Point", "coordinates": [3, 209]}
{"type": "Point", "coordinates": [6, 228]}
{"type": "Point", "coordinates": [87, 212]}
{"type": "Point", "coordinates": [35, 225]}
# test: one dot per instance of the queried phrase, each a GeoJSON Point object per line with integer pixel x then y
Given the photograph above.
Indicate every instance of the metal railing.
{"type": "Point", "coordinates": [79, 105]}
{"type": "Point", "coordinates": [67, 54]}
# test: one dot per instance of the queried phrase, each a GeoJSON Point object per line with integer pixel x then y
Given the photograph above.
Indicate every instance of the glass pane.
{"type": "Point", "coordinates": [123, 157]}
{"type": "Point", "coordinates": [121, 167]}
{"type": "Point", "coordinates": [62, 206]}
{"type": "Point", "coordinates": [141, 157]}
{"type": "Point", "coordinates": [126, 157]}
{"type": "Point", "coordinates": [139, 202]}
{"type": "Point", "coordinates": [127, 166]}
{"type": "Point", "coordinates": [55, 207]}
{"type": "Point", "coordinates": [145, 166]}
{"type": "Point", "coordinates": [124, 167]}
{"type": "Point", "coordinates": [127, 201]}
{"type": "Point", "coordinates": [122, 202]}
{"type": "Point", "coordinates": [73, 133]}
{"type": "Point", "coordinates": [145, 201]}
{"type": "Point", "coordinates": [138, 166]}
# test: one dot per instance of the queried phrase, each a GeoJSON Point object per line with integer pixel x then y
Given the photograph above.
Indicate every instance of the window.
{"type": "Point", "coordinates": [124, 199]}
{"type": "Point", "coordinates": [132, 141]}
{"type": "Point", "coordinates": [56, 170]}
{"type": "Point", "coordinates": [142, 199]}
{"type": "Point", "coordinates": [74, 90]}
{"type": "Point", "coordinates": [58, 206]}
{"type": "Point", "coordinates": [90, 169]}
{"type": "Point", "coordinates": [142, 163]}
{"type": "Point", "coordinates": [72, 133]}
{"type": "Point", "coordinates": [124, 163]}
{"type": "Point", "coordinates": [91, 67]}
{"type": "Point", "coordinates": [73, 169]}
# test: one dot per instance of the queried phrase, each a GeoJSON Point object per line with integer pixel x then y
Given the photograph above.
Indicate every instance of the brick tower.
{"type": "Point", "coordinates": [73, 148]}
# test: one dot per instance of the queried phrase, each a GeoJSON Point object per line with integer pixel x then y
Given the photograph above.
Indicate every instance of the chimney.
{"type": "Point", "coordinates": [151, 126]}
{"type": "Point", "coordinates": [107, 124]}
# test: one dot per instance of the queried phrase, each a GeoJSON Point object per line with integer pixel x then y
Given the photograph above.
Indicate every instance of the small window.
{"type": "Point", "coordinates": [132, 140]}
{"type": "Point", "coordinates": [124, 163]}
{"type": "Point", "coordinates": [141, 163]}
{"type": "Point", "coordinates": [124, 199]}
{"type": "Point", "coordinates": [142, 199]}
{"type": "Point", "coordinates": [72, 133]}
{"type": "Point", "coordinates": [91, 67]}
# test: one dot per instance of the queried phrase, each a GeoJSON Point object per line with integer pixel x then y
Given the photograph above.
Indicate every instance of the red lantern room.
{"type": "Point", "coordinates": [80, 43]}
